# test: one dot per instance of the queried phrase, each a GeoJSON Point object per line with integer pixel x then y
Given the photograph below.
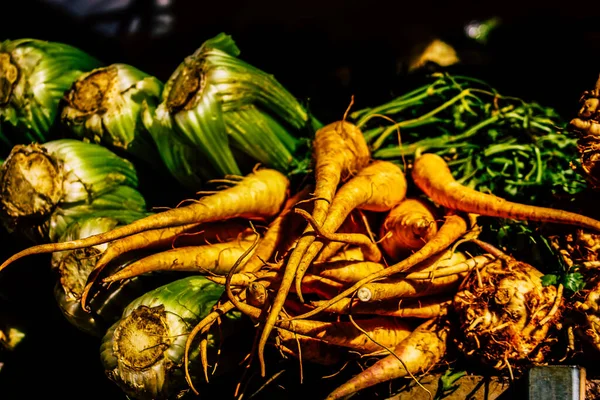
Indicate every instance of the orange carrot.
{"type": "Point", "coordinates": [387, 331]}
{"type": "Point", "coordinates": [343, 254]}
{"type": "Point", "coordinates": [369, 248]}
{"type": "Point", "coordinates": [378, 187]}
{"type": "Point", "coordinates": [433, 176]}
{"type": "Point", "coordinates": [452, 229]}
{"type": "Point", "coordinates": [407, 227]}
{"type": "Point", "coordinates": [339, 150]}
{"type": "Point", "coordinates": [408, 288]}
{"type": "Point", "coordinates": [216, 258]}
{"type": "Point", "coordinates": [421, 283]}
{"type": "Point", "coordinates": [274, 234]}
{"type": "Point", "coordinates": [418, 353]}
{"type": "Point", "coordinates": [260, 194]}
{"type": "Point", "coordinates": [190, 234]}
{"type": "Point", "coordinates": [346, 271]}
{"type": "Point", "coordinates": [405, 308]}
{"type": "Point", "coordinates": [312, 350]}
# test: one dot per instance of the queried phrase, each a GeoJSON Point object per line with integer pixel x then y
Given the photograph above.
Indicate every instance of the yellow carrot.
{"type": "Point", "coordinates": [433, 176]}
{"type": "Point", "coordinates": [216, 258]}
{"type": "Point", "coordinates": [274, 235]}
{"type": "Point", "coordinates": [407, 227]}
{"type": "Point", "coordinates": [452, 229]}
{"type": "Point", "coordinates": [339, 253]}
{"type": "Point", "coordinates": [260, 194]}
{"type": "Point", "coordinates": [418, 353]}
{"type": "Point", "coordinates": [311, 350]}
{"type": "Point", "coordinates": [378, 187]}
{"type": "Point", "coordinates": [339, 151]}
{"type": "Point", "coordinates": [421, 283]}
{"type": "Point", "coordinates": [387, 331]}
{"type": "Point", "coordinates": [346, 271]}
{"type": "Point", "coordinates": [426, 308]}
{"type": "Point", "coordinates": [190, 234]}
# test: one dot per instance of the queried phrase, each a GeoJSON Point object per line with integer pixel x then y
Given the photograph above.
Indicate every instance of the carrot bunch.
{"type": "Point", "coordinates": [350, 265]}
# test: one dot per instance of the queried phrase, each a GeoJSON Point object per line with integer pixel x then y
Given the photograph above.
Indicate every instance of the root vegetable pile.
{"type": "Point", "coordinates": [365, 258]}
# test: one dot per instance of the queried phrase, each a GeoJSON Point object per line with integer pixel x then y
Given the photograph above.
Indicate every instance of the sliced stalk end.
{"type": "Point", "coordinates": [30, 184]}
{"type": "Point", "coordinates": [9, 73]}
{"type": "Point", "coordinates": [142, 338]}
{"type": "Point", "coordinates": [74, 270]}
{"type": "Point", "coordinates": [186, 85]}
{"type": "Point", "coordinates": [90, 94]}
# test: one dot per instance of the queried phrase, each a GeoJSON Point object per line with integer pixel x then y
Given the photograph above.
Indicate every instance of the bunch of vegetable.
{"type": "Point", "coordinates": [45, 187]}
{"type": "Point", "coordinates": [105, 106]}
{"type": "Point", "coordinates": [376, 187]}
{"type": "Point", "coordinates": [143, 352]}
{"type": "Point", "coordinates": [367, 257]}
{"type": "Point", "coordinates": [225, 116]}
{"type": "Point", "coordinates": [74, 268]}
{"type": "Point", "coordinates": [34, 74]}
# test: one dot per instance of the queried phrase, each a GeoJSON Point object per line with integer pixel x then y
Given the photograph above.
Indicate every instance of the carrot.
{"type": "Point", "coordinates": [202, 326]}
{"type": "Point", "coordinates": [273, 236]}
{"type": "Point", "coordinates": [408, 288]}
{"type": "Point", "coordinates": [314, 284]}
{"type": "Point", "coordinates": [158, 238]}
{"type": "Point", "coordinates": [352, 224]}
{"type": "Point", "coordinates": [312, 350]}
{"type": "Point", "coordinates": [433, 176]}
{"type": "Point", "coordinates": [260, 194]}
{"type": "Point", "coordinates": [410, 308]}
{"type": "Point", "coordinates": [340, 253]}
{"type": "Point", "coordinates": [368, 247]}
{"type": "Point", "coordinates": [340, 151]}
{"type": "Point", "coordinates": [378, 187]}
{"type": "Point", "coordinates": [418, 353]}
{"type": "Point", "coordinates": [421, 283]}
{"type": "Point", "coordinates": [216, 258]}
{"type": "Point", "coordinates": [453, 267]}
{"type": "Point", "coordinates": [346, 271]}
{"type": "Point", "coordinates": [388, 331]}
{"type": "Point", "coordinates": [437, 262]}
{"type": "Point", "coordinates": [407, 227]}
{"type": "Point", "coordinates": [452, 229]}
{"type": "Point", "coordinates": [244, 279]}
{"type": "Point", "coordinates": [325, 288]}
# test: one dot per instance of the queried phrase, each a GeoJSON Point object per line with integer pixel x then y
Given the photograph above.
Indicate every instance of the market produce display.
{"type": "Point", "coordinates": [449, 226]}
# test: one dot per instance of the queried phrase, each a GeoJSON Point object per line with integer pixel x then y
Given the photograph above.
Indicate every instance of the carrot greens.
{"type": "Point", "coordinates": [493, 143]}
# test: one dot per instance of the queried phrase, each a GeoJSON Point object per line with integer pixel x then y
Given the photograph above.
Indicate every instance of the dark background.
{"type": "Point", "coordinates": [322, 51]}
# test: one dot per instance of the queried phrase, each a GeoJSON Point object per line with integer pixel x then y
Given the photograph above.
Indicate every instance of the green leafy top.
{"type": "Point", "coordinates": [494, 143]}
